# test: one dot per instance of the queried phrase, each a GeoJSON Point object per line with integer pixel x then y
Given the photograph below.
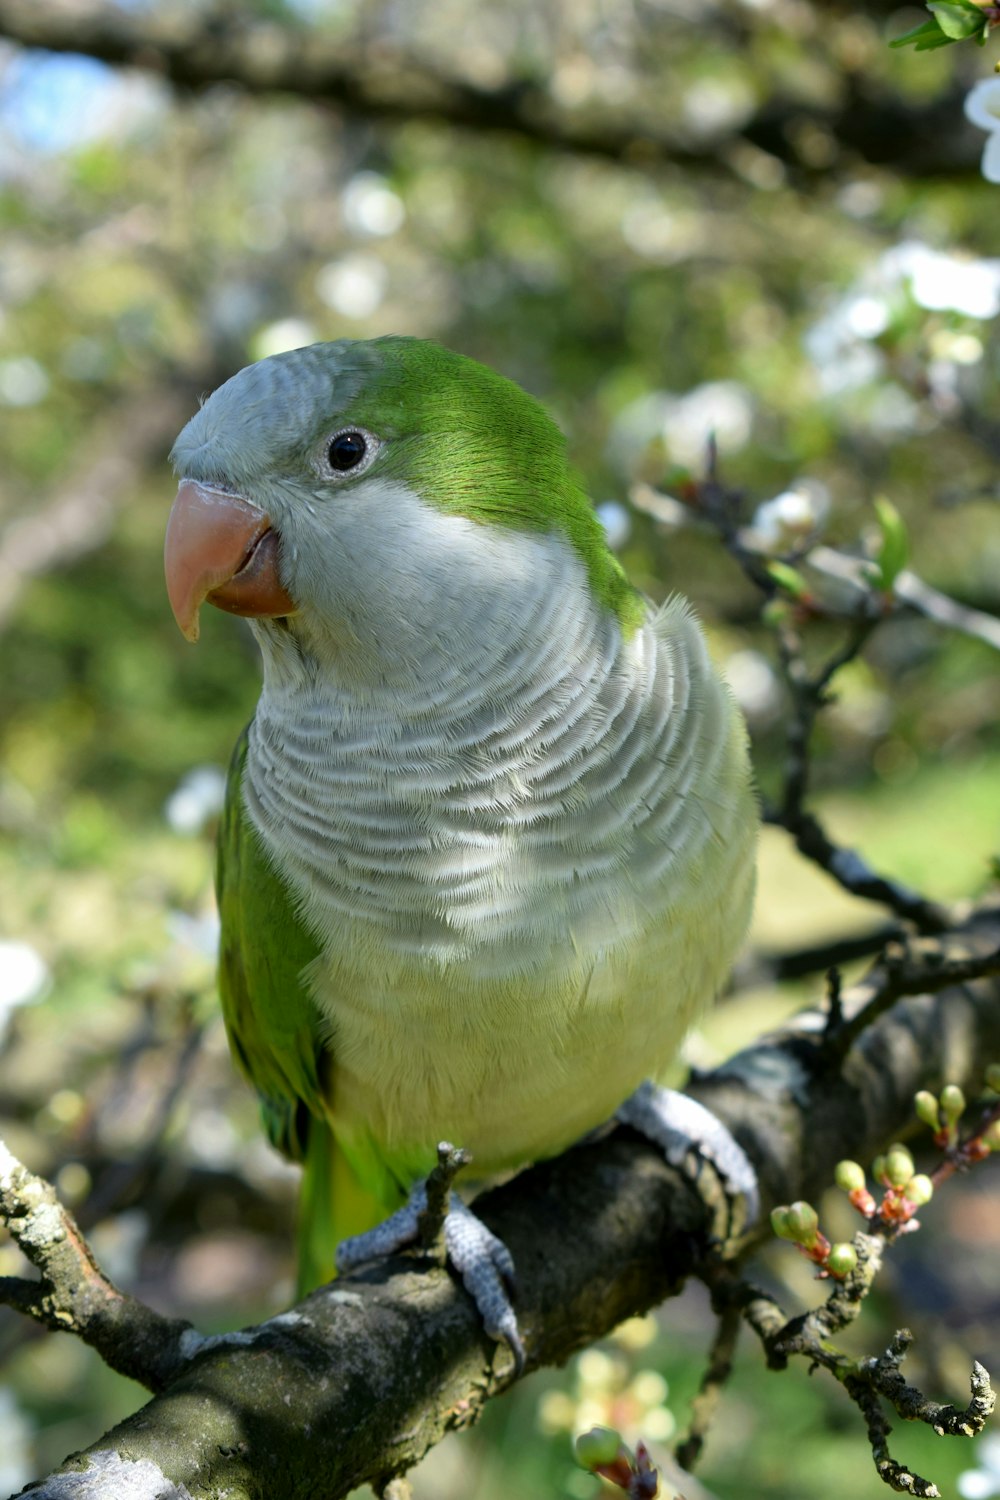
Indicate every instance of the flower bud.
{"type": "Point", "coordinates": [775, 612]}
{"type": "Point", "coordinates": [926, 1106]}
{"type": "Point", "coordinates": [849, 1176]}
{"type": "Point", "coordinates": [780, 1224]}
{"type": "Point", "coordinates": [952, 1102]}
{"type": "Point", "coordinates": [920, 1189]}
{"type": "Point", "coordinates": [601, 1445]}
{"type": "Point", "coordinates": [993, 1077]}
{"type": "Point", "coordinates": [803, 1221]}
{"type": "Point", "coordinates": [841, 1260]}
{"type": "Point", "coordinates": [991, 1136]}
{"type": "Point", "coordinates": [898, 1166]}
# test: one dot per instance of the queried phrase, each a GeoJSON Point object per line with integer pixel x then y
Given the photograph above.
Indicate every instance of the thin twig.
{"type": "Point", "coordinates": [868, 1381]}
{"type": "Point", "coordinates": [722, 506]}
{"type": "Point", "coordinates": [896, 1475]}
{"type": "Point", "coordinates": [813, 958]}
{"type": "Point", "coordinates": [917, 966]}
{"type": "Point", "coordinates": [911, 590]}
{"type": "Point", "coordinates": [810, 692]}
{"type": "Point", "coordinates": [717, 1373]}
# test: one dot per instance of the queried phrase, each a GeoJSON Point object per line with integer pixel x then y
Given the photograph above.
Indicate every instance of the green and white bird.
{"type": "Point", "coordinates": [488, 844]}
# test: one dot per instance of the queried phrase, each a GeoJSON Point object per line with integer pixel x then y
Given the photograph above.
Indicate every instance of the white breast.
{"type": "Point", "coordinates": [531, 851]}
{"type": "Point", "coordinates": [540, 808]}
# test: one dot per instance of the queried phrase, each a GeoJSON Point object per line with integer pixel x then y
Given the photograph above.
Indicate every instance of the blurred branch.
{"type": "Point", "coordinates": [912, 591]}
{"type": "Point", "coordinates": [124, 1181]}
{"type": "Point", "coordinates": [375, 81]}
{"type": "Point", "coordinates": [913, 967]}
{"type": "Point", "coordinates": [77, 517]}
{"type": "Point", "coordinates": [813, 958]}
{"type": "Point", "coordinates": [720, 506]}
{"type": "Point", "coordinates": [810, 692]}
{"type": "Point", "coordinates": [377, 1367]}
{"type": "Point", "coordinates": [713, 1382]}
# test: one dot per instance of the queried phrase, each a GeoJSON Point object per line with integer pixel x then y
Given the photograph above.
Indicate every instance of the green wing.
{"type": "Point", "coordinates": [265, 947]}
{"type": "Point", "coordinates": [272, 1022]}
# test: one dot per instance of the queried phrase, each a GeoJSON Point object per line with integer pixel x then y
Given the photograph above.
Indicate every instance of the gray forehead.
{"type": "Point", "coordinates": [267, 410]}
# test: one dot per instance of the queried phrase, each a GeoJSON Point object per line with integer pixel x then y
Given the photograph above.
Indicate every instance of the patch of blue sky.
{"type": "Point", "coordinates": [316, 10]}
{"type": "Point", "coordinates": [54, 101]}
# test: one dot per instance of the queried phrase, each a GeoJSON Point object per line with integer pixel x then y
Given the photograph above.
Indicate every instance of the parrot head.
{"type": "Point", "coordinates": [329, 490]}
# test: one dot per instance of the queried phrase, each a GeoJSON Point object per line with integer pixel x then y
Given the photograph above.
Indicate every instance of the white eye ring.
{"type": "Point", "coordinates": [348, 452]}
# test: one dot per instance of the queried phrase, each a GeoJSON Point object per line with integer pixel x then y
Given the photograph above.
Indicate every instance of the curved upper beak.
{"type": "Point", "coordinates": [221, 548]}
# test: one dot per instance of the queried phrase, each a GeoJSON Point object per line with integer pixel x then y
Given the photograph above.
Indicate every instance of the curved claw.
{"type": "Point", "coordinates": [679, 1125]}
{"type": "Point", "coordinates": [483, 1262]}
{"type": "Point", "coordinates": [486, 1267]}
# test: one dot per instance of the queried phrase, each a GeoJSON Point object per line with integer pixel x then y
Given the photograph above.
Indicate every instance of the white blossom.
{"type": "Point", "coordinates": [24, 978]}
{"type": "Point", "coordinates": [755, 686]}
{"type": "Point", "coordinates": [285, 334]}
{"type": "Point", "coordinates": [982, 104]}
{"type": "Point", "coordinates": [942, 282]}
{"type": "Point", "coordinates": [982, 108]}
{"type": "Point", "coordinates": [197, 799]}
{"type": "Point", "coordinates": [990, 164]}
{"type": "Point", "coordinates": [23, 381]}
{"type": "Point", "coordinates": [16, 1457]}
{"type": "Point", "coordinates": [371, 207]}
{"type": "Point", "coordinates": [789, 519]}
{"type": "Point", "coordinates": [983, 1482]}
{"type": "Point", "coordinates": [841, 342]}
{"type": "Point", "coordinates": [199, 934]}
{"type": "Point", "coordinates": [720, 407]}
{"type": "Point", "coordinates": [353, 286]}
{"type": "Point", "coordinates": [617, 523]}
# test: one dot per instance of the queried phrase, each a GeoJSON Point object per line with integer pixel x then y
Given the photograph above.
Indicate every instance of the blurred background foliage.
{"type": "Point", "coordinates": [765, 223]}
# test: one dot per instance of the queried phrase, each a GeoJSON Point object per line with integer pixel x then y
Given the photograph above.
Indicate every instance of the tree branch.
{"type": "Point", "coordinates": [377, 1367]}
{"type": "Point", "coordinates": [73, 1295]}
{"type": "Point", "coordinates": [375, 81]}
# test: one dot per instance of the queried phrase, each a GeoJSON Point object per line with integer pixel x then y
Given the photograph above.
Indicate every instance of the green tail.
{"type": "Point", "coordinates": [333, 1205]}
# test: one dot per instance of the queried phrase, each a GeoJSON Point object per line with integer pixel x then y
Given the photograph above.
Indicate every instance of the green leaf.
{"type": "Point", "coordinates": [789, 579]}
{"type": "Point", "coordinates": [895, 548]}
{"type": "Point", "coordinates": [923, 37]}
{"type": "Point", "coordinates": [958, 19]}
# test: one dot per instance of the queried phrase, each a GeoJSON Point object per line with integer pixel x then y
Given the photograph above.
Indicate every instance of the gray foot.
{"type": "Point", "coordinates": [483, 1261]}
{"type": "Point", "coordinates": [486, 1267]}
{"type": "Point", "coordinates": [689, 1135]}
{"type": "Point", "coordinates": [398, 1232]}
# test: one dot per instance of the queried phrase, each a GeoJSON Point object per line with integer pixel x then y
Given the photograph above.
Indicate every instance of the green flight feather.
{"type": "Point", "coordinates": [273, 1028]}
{"type": "Point", "coordinates": [334, 1205]}
{"type": "Point", "coordinates": [264, 950]}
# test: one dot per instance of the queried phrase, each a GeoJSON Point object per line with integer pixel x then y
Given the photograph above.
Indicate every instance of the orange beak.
{"type": "Point", "coordinates": [221, 548]}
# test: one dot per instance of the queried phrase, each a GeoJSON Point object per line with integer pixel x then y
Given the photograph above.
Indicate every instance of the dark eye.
{"type": "Point", "coordinates": [347, 450]}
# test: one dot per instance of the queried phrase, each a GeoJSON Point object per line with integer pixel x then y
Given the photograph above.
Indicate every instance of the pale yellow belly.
{"type": "Point", "coordinates": [518, 1069]}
